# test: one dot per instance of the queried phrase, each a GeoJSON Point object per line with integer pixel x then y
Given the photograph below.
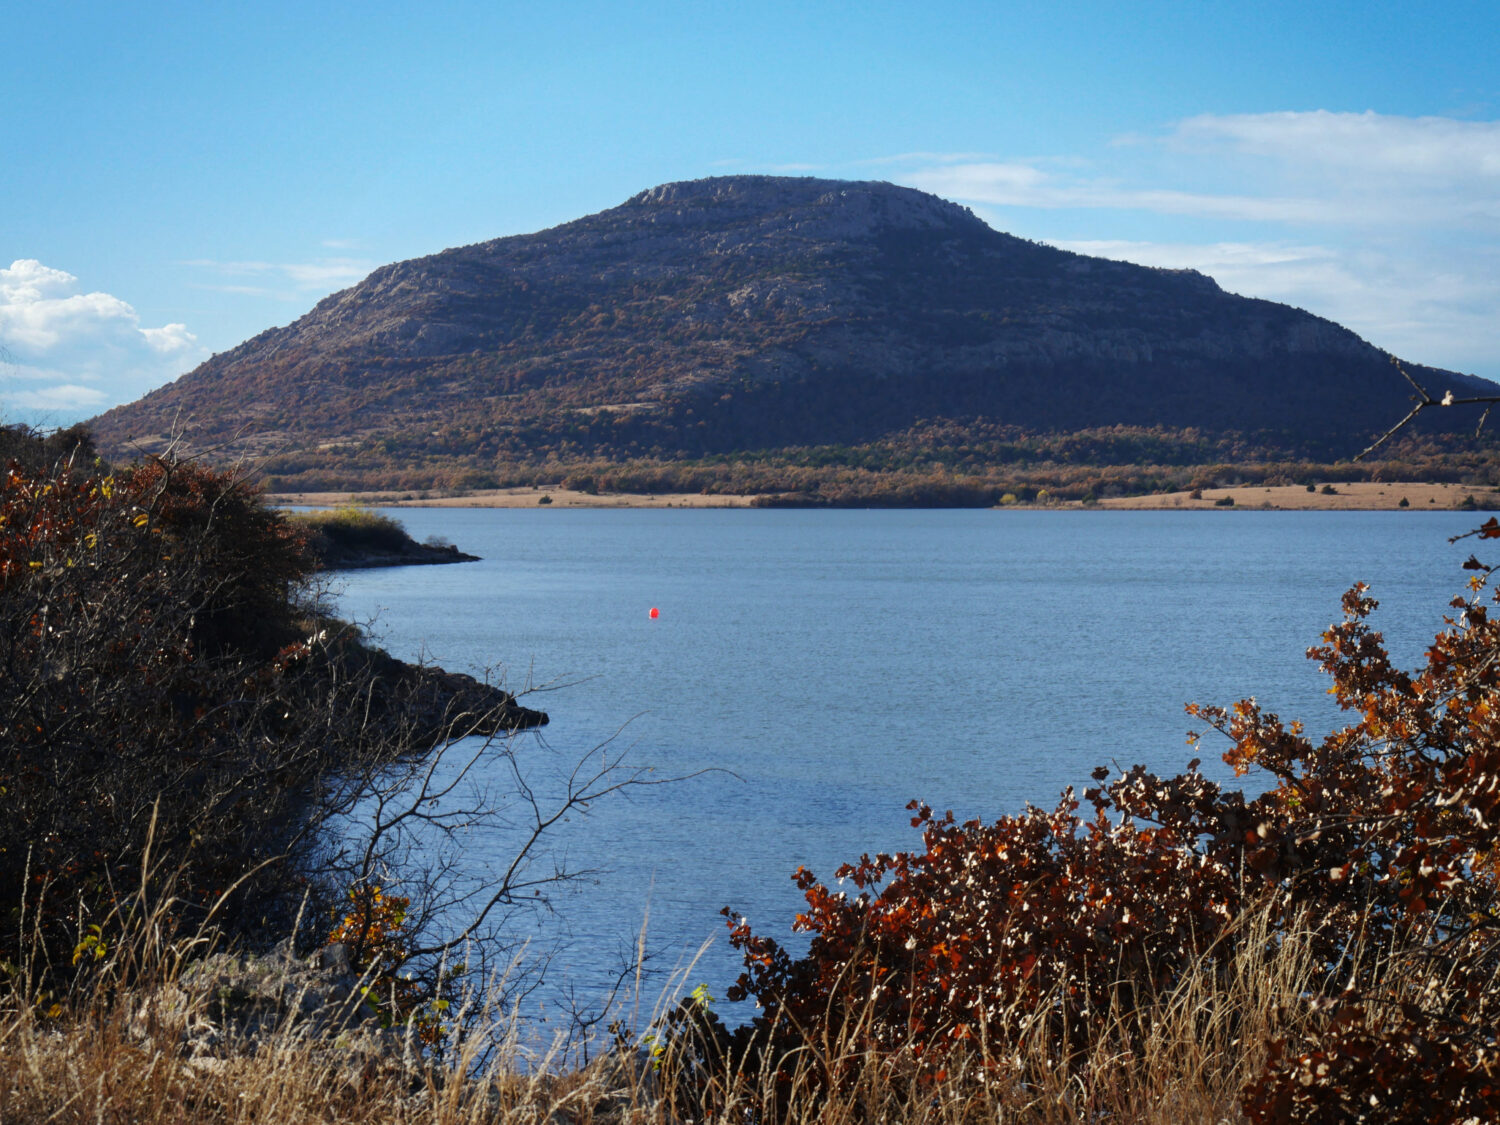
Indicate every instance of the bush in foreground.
{"type": "Point", "coordinates": [1063, 931]}
{"type": "Point", "coordinates": [193, 753]}
{"type": "Point", "coordinates": [150, 711]}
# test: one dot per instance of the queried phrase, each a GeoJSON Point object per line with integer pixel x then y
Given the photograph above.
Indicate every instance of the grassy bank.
{"type": "Point", "coordinates": [1355, 496]}
{"type": "Point", "coordinates": [119, 1056]}
{"type": "Point", "coordinates": [351, 536]}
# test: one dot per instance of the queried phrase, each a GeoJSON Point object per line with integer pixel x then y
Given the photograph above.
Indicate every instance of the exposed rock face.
{"type": "Point", "coordinates": [752, 313]}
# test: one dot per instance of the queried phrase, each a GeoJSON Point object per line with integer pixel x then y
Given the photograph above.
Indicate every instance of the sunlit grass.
{"type": "Point", "coordinates": [118, 1055]}
{"type": "Point", "coordinates": [354, 527]}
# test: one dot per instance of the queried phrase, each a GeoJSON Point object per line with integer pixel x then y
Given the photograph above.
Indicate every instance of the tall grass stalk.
{"type": "Point", "coordinates": [1178, 1058]}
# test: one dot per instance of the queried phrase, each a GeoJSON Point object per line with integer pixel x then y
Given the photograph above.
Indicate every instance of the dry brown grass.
{"type": "Point", "coordinates": [1346, 496]}
{"type": "Point", "coordinates": [1179, 1060]}
{"type": "Point", "coordinates": [556, 497]}
{"type": "Point", "coordinates": [1365, 496]}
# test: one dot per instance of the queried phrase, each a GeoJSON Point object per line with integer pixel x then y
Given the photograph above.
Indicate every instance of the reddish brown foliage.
{"type": "Point", "coordinates": [1385, 831]}
{"type": "Point", "coordinates": [149, 647]}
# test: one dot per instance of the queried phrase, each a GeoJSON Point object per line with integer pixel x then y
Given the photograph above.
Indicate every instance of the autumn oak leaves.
{"type": "Point", "coordinates": [1384, 834]}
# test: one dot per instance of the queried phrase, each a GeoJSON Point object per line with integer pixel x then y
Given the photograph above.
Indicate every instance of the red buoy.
{"type": "Point", "coordinates": [655, 613]}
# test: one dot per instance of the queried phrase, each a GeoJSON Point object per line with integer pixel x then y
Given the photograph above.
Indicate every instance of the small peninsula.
{"type": "Point", "coordinates": [352, 537]}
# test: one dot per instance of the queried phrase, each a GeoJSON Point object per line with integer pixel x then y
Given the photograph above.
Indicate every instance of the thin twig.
{"type": "Point", "coordinates": [1426, 400]}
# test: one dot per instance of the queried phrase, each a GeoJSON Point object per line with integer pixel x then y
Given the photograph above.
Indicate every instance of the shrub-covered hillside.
{"type": "Point", "coordinates": [178, 711]}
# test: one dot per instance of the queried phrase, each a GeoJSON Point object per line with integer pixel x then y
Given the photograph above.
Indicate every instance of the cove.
{"type": "Point", "coordinates": [833, 665]}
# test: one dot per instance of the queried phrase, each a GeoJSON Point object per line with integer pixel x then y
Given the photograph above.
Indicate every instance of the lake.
{"type": "Point", "coordinates": [837, 664]}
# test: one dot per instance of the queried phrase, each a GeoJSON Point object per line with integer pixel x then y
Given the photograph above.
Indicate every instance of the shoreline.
{"type": "Point", "coordinates": [1369, 496]}
{"type": "Point", "coordinates": [529, 497]}
{"type": "Point", "coordinates": [1357, 496]}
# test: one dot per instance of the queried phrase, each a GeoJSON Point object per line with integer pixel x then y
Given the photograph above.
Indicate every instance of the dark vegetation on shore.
{"type": "Point", "coordinates": [355, 538]}
{"type": "Point", "coordinates": [940, 465]}
{"type": "Point", "coordinates": [179, 722]}
{"type": "Point", "coordinates": [178, 703]}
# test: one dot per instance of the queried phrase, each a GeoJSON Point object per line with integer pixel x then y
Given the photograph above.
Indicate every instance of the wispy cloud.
{"type": "Point", "coordinates": [1390, 225]}
{"type": "Point", "coordinates": [928, 158]}
{"type": "Point", "coordinates": [282, 280]}
{"type": "Point", "coordinates": [1027, 185]}
{"type": "Point", "coordinates": [1336, 168]}
{"type": "Point", "coordinates": [69, 353]}
{"type": "Point", "coordinates": [54, 402]}
{"type": "Point", "coordinates": [1417, 308]}
{"type": "Point", "coordinates": [1431, 148]}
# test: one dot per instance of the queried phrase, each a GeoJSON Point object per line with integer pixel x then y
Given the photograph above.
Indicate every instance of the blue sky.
{"type": "Point", "coordinates": [177, 177]}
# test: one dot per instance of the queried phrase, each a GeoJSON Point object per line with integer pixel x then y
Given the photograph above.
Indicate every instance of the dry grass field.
{"type": "Point", "coordinates": [1357, 496]}
{"type": "Point", "coordinates": [509, 498]}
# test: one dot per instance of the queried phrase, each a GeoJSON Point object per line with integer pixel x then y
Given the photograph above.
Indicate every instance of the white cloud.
{"type": "Point", "coordinates": [1222, 259]}
{"type": "Point", "coordinates": [66, 354]}
{"type": "Point", "coordinates": [1424, 171]}
{"type": "Point", "coordinates": [1026, 185]}
{"type": "Point", "coordinates": [59, 403]}
{"type": "Point", "coordinates": [29, 280]}
{"type": "Point", "coordinates": [170, 338]}
{"type": "Point", "coordinates": [1347, 169]}
{"type": "Point", "coordinates": [328, 273]}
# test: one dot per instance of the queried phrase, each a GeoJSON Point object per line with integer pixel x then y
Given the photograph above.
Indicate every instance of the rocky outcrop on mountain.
{"type": "Point", "coordinates": [751, 313]}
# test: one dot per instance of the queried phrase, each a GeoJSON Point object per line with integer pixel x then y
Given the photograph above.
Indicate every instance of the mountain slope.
{"type": "Point", "coordinates": [738, 314]}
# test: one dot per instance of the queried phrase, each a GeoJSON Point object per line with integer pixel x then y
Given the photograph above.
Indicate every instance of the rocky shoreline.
{"type": "Point", "coordinates": [444, 704]}
{"type": "Point", "coordinates": [417, 705]}
{"type": "Point", "coordinates": [339, 556]}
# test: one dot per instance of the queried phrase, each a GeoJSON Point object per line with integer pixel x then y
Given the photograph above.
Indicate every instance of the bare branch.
{"type": "Point", "coordinates": [1390, 433]}
{"type": "Point", "coordinates": [1422, 402]}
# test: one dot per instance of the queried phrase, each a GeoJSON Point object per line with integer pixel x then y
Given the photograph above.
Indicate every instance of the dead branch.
{"type": "Point", "coordinates": [1423, 400]}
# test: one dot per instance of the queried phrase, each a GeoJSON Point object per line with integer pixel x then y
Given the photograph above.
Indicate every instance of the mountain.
{"type": "Point", "coordinates": [753, 316]}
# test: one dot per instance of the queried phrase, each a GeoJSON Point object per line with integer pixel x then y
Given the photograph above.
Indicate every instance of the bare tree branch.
{"type": "Point", "coordinates": [1423, 400]}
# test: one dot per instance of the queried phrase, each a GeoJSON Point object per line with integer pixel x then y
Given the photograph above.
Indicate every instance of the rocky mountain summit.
{"type": "Point", "coordinates": [750, 314]}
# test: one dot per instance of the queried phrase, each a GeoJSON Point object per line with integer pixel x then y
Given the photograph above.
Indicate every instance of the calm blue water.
{"type": "Point", "coordinates": [839, 664]}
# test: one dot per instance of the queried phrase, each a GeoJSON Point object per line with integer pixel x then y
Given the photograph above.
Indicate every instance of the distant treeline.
{"type": "Point", "coordinates": [937, 464]}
